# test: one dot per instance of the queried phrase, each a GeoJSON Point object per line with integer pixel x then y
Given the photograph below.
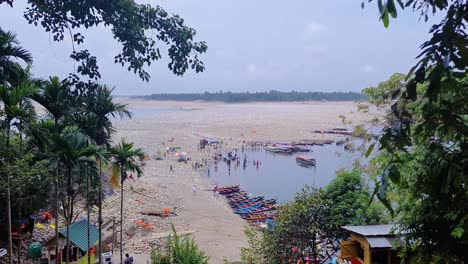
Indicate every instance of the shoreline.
{"type": "Point", "coordinates": [209, 220]}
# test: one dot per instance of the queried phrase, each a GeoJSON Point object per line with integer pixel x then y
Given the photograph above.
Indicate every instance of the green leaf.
{"type": "Point", "coordinates": [401, 4]}
{"type": "Point", "coordinates": [385, 18]}
{"type": "Point", "coordinates": [391, 8]}
{"type": "Point", "coordinates": [394, 174]}
{"type": "Point", "coordinates": [369, 150]}
{"type": "Point", "coordinates": [379, 3]}
{"type": "Point", "coordinates": [458, 232]}
{"type": "Point", "coordinates": [386, 203]}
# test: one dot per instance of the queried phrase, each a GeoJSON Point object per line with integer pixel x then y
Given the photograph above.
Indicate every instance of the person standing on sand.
{"type": "Point", "coordinates": [128, 260]}
{"type": "Point", "coordinates": [215, 190]}
{"type": "Point", "coordinates": [194, 190]}
{"type": "Point", "coordinates": [170, 168]}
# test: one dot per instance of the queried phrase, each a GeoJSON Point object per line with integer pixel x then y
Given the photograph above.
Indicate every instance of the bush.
{"type": "Point", "coordinates": [179, 251]}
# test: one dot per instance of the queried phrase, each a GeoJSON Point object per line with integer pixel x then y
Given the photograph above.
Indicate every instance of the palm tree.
{"type": "Point", "coordinates": [54, 95]}
{"type": "Point", "coordinates": [15, 109]}
{"type": "Point", "coordinates": [72, 151]}
{"type": "Point", "coordinates": [99, 107]}
{"type": "Point", "coordinates": [124, 159]}
{"type": "Point", "coordinates": [11, 50]}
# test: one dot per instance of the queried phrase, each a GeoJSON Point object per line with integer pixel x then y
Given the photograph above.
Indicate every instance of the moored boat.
{"type": "Point", "coordinates": [303, 160]}
{"type": "Point", "coordinates": [262, 203]}
{"type": "Point", "coordinates": [271, 148]}
{"type": "Point", "coordinates": [254, 199]}
{"type": "Point", "coordinates": [258, 217]}
{"type": "Point", "coordinates": [229, 190]}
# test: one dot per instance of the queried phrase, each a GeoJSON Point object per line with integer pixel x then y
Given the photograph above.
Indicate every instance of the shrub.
{"type": "Point", "coordinates": [179, 251]}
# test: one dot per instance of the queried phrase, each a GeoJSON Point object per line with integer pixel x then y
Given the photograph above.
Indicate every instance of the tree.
{"type": "Point", "coordinates": [349, 197]}
{"type": "Point", "coordinates": [72, 151]}
{"type": "Point", "coordinates": [426, 143]}
{"type": "Point", "coordinates": [14, 109]}
{"type": "Point", "coordinates": [55, 96]}
{"type": "Point", "coordinates": [11, 51]}
{"type": "Point", "coordinates": [124, 159]}
{"type": "Point", "coordinates": [130, 23]}
{"type": "Point", "coordinates": [98, 108]}
{"type": "Point", "coordinates": [298, 233]}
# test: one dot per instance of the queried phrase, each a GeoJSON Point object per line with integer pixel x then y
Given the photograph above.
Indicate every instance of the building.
{"type": "Point", "coordinates": [78, 242]}
{"type": "Point", "coordinates": [370, 244]}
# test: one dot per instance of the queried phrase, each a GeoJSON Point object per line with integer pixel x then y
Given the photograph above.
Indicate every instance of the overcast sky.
{"type": "Point", "coordinates": [260, 45]}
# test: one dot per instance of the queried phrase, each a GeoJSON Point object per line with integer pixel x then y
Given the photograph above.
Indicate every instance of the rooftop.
{"type": "Point", "coordinates": [371, 230]}
{"type": "Point", "coordinates": [79, 234]}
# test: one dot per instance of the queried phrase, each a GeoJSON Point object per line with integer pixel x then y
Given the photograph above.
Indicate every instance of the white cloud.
{"type": "Point", "coordinates": [314, 29]}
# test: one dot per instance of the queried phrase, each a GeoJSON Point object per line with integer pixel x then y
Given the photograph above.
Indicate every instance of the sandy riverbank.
{"type": "Point", "coordinates": [218, 231]}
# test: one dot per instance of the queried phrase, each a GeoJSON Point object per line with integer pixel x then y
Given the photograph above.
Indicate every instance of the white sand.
{"type": "Point", "coordinates": [216, 229]}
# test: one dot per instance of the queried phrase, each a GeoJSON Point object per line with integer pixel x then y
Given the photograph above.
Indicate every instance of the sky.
{"type": "Point", "coordinates": [261, 45]}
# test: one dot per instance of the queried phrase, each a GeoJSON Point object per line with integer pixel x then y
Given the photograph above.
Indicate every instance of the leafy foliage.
{"type": "Point", "coordinates": [425, 139]}
{"type": "Point", "coordinates": [255, 252]}
{"type": "Point", "coordinates": [11, 52]}
{"type": "Point", "coordinates": [349, 196]}
{"type": "Point", "coordinates": [140, 28]}
{"type": "Point", "coordinates": [298, 232]}
{"type": "Point", "coordinates": [179, 251]}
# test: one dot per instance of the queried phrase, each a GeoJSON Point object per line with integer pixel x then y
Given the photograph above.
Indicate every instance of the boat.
{"type": "Point", "coordinates": [284, 150]}
{"type": "Point", "coordinates": [247, 209]}
{"type": "Point", "coordinates": [271, 148]}
{"type": "Point", "coordinates": [300, 149]}
{"type": "Point", "coordinates": [270, 202]}
{"type": "Point", "coordinates": [237, 195]}
{"type": "Point", "coordinates": [229, 190]}
{"type": "Point", "coordinates": [307, 161]}
{"type": "Point", "coordinates": [228, 187]}
{"type": "Point", "coordinates": [239, 199]}
{"type": "Point", "coordinates": [255, 199]}
{"type": "Point", "coordinates": [261, 209]}
{"type": "Point", "coordinates": [258, 217]}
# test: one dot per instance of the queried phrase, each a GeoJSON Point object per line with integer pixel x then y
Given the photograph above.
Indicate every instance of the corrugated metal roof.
{"type": "Point", "coordinates": [380, 242]}
{"type": "Point", "coordinates": [371, 230]}
{"type": "Point", "coordinates": [79, 234]}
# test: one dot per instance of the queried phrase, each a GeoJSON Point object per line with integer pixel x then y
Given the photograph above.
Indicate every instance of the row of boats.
{"type": "Point", "coordinates": [252, 209]}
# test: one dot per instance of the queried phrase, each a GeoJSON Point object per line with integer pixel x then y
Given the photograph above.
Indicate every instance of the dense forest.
{"type": "Point", "coordinates": [271, 96]}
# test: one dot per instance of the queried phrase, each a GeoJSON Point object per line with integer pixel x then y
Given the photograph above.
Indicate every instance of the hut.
{"type": "Point", "coordinates": [78, 241]}
{"type": "Point", "coordinates": [368, 244]}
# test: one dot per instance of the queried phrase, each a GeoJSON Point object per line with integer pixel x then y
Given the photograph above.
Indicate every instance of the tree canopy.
{"type": "Point", "coordinates": [270, 96]}
{"type": "Point", "coordinates": [142, 30]}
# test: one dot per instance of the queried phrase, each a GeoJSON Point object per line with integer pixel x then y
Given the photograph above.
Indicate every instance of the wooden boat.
{"type": "Point", "coordinates": [239, 200]}
{"type": "Point", "coordinates": [228, 187]}
{"type": "Point", "coordinates": [271, 148]}
{"type": "Point", "coordinates": [270, 202]}
{"type": "Point", "coordinates": [228, 191]}
{"type": "Point", "coordinates": [303, 160]}
{"type": "Point", "coordinates": [258, 217]}
{"type": "Point", "coordinates": [161, 213]}
{"type": "Point", "coordinates": [247, 209]}
{"type": "Point", "coordinates": [237, 195]}
{"type": "Point", "coordinates": [284, 150]}
{"type": "Point", "coordinates": [262, 209]}
{"type": "Point", "coordinates": [251, 200]}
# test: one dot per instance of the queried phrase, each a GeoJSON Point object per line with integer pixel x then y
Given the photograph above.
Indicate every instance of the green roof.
{"type": "Point", "coordinates": [79, 234]}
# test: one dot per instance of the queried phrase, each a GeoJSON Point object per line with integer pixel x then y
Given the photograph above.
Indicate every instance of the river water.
{"type": "Point", "coordinates": [278, 175]}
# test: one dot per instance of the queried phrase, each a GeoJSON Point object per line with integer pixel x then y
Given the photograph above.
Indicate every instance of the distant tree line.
{"type": "Point", "coordinates": [271, 96]}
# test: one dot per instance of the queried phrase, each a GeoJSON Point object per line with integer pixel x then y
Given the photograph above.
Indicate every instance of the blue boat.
{"type": "Point", "coordinates": [246, 210]}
